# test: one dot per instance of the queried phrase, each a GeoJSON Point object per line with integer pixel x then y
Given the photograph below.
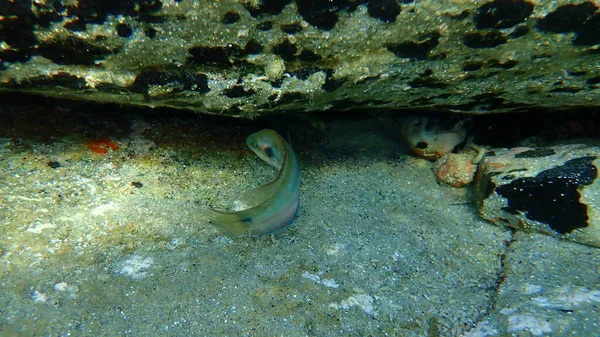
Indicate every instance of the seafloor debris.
{"type": "Point", "coordinates": [101, 145]}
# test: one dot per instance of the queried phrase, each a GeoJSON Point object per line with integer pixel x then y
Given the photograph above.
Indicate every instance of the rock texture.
{"type": "Point", "coordinates": [552, 190]}
{"type": "Point", "coordinates": [251, 57]}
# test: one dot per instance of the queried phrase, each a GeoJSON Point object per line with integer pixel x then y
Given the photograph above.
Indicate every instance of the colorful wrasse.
{"type": "Point", "coordinates": [275, 204]}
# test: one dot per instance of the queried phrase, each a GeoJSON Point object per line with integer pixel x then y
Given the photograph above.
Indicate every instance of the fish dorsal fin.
{"type": "Point", "coordinates": [257, 196]}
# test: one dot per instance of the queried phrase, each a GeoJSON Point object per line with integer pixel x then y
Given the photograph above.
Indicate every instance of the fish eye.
{"type": "Point", "coordinates": [268, 150]}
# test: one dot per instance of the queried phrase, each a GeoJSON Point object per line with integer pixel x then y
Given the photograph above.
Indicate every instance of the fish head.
{"type": "Point", "coordinates": [268, 146]}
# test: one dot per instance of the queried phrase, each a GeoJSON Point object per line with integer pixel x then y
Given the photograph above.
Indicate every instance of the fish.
{"type": "Point", "coordinates": [274, 206]}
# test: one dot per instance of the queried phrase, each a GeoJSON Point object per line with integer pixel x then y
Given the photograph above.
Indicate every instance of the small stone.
{"type": "Point", "coordinates": [455, 169]}
{"type": "Point", "coordinates": [137, 267]}
{"type": "Point", "coordinates": [61, 286]}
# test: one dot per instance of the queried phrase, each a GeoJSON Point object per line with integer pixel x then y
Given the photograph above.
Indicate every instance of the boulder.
{"type": "Point", "coordinates": [551, 190]}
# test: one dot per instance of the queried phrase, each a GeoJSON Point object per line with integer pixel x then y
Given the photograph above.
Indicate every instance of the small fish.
{"type": "Point", "coordinates": [274, 205]}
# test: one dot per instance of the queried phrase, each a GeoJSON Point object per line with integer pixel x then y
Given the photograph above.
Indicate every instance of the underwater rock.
{"type": "Point", "coordinates": [246, 58]}
{"type": "Point", "coordinates": [455, 169]}
{"type": "Point", "coordinates": [428, 139]}
{"type": "Point", "coordinates": [550, 190]}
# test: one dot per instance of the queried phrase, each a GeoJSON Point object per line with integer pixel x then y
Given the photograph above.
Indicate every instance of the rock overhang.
{"type": "Point", "coordinates": [249, 58]}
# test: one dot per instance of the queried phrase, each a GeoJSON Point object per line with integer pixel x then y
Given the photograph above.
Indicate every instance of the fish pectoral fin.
{"type": "Point", "coordinates": [232, 224]}
{"type": "Point", "coordinates": [258, 195]}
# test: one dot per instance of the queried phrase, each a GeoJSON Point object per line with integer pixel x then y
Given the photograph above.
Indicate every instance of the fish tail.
{"type": "Point", "coordinates": [232, 223]}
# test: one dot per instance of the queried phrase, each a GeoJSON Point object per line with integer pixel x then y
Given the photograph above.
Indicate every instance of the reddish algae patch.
{"type": "Point", "coordinates": [100, 146]}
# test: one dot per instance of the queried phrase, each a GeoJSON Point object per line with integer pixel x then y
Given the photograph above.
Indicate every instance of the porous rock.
{"type": "Point", "coordinates": [247, 57]}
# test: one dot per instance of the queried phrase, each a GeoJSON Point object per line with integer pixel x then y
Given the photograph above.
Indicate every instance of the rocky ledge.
{"type": "Point", "coordinates": [248, 58]}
